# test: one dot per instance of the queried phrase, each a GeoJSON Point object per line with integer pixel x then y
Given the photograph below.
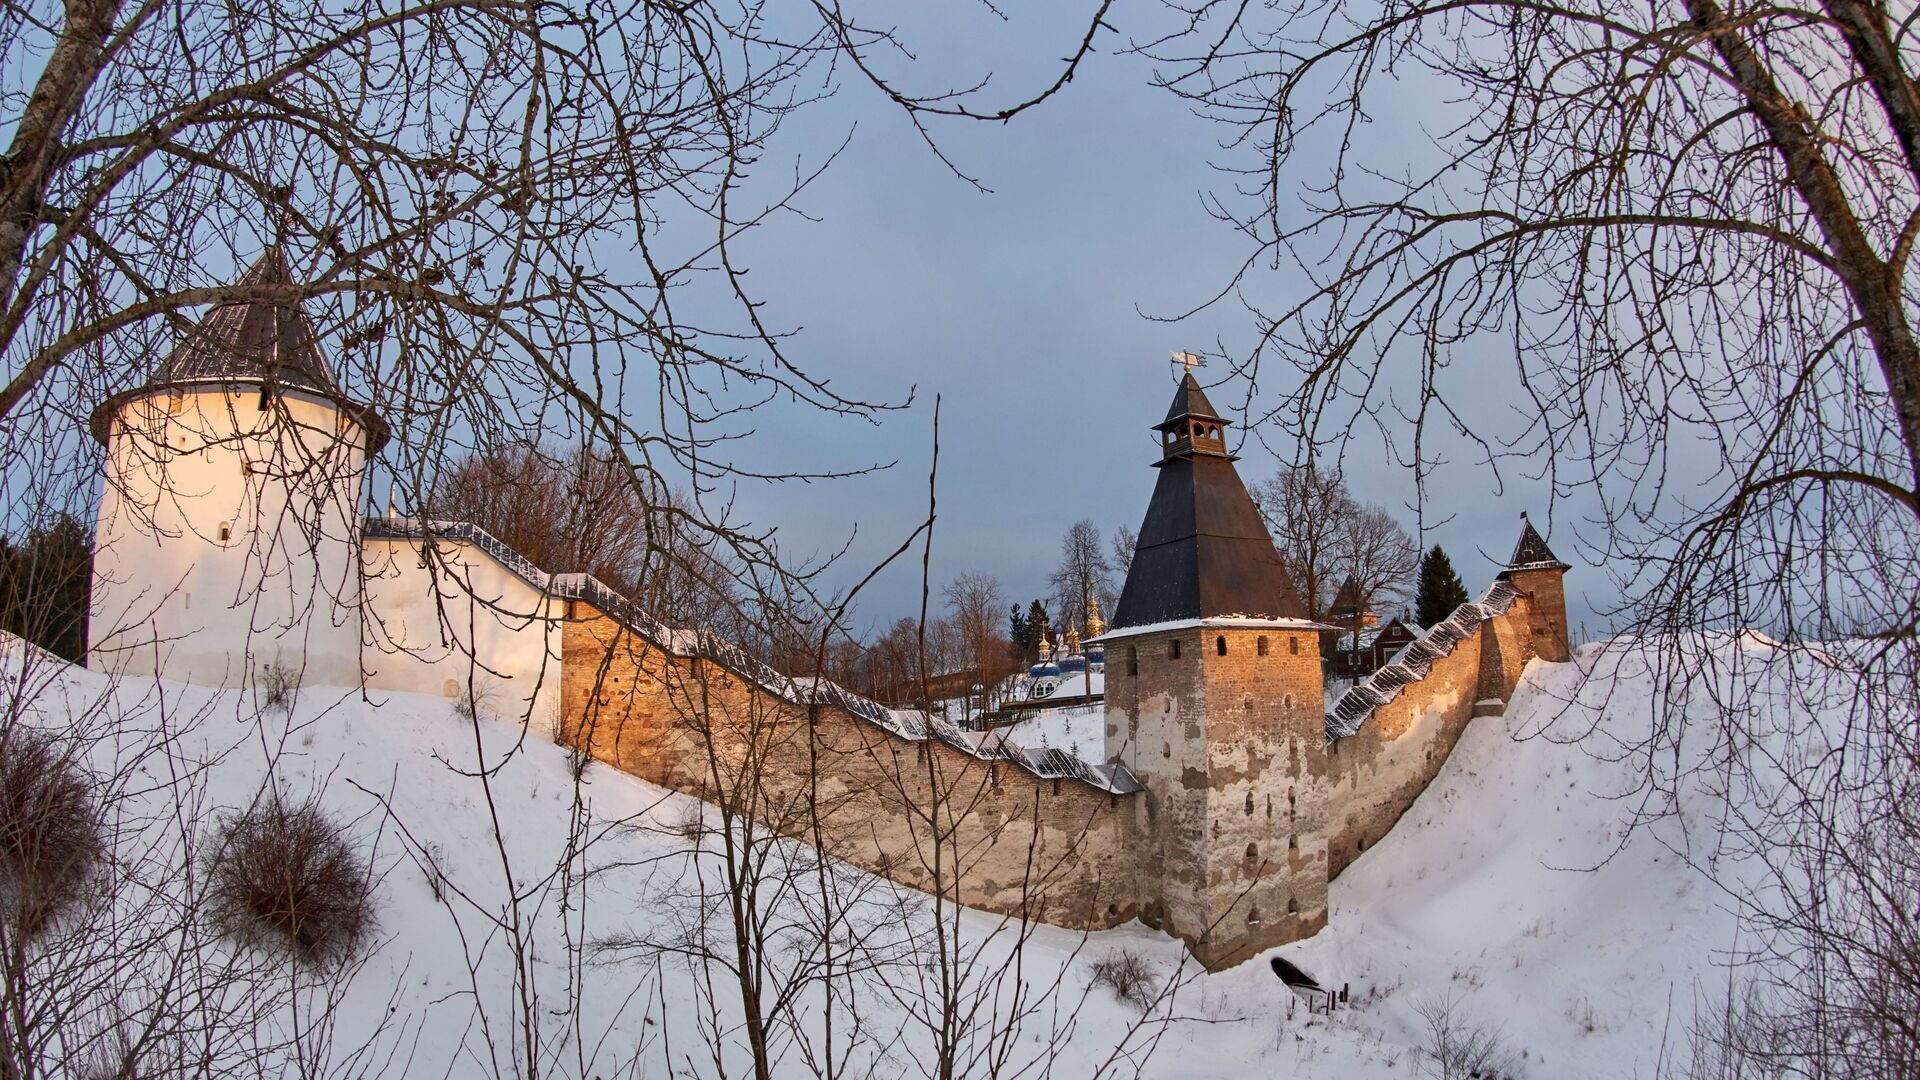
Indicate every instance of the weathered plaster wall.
{"type": "Point", "coordinates": [228, 539]}
{"type": "Point", "coordinates": [458, 624]}
{"type": "Point", "coordinates": [1226, 738]}
{"type": "Point", "coordinates": [1008, 841]}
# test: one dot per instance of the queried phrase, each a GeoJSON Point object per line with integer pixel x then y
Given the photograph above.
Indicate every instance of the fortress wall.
{"type": "Point", "coordinates": [1050, 850]}
{"type": "Point", "coordinates": [1378, 772]}
{"type": "Point", "coordinates": [464, 625]}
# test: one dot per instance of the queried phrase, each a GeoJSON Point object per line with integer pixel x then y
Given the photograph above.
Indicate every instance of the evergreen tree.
{"type": "Point", "coordinates": [1018, 629]}
{"type": "Point", "coordinates": [1039, 631]}
{"type": "Point", "coordinates": [44, 586]}
{"type": "Point", "coordinates": [1440, 589]}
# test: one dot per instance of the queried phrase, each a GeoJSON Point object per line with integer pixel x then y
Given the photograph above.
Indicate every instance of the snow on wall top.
{"type": "Point", "coordinates": [1411, 664]}
{"type": "Point", "coordinates": [910, 724]}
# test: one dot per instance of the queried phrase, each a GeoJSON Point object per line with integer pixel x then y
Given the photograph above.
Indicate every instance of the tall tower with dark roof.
{"type": "Point", "coordinates": [229, 528]}
{"type": "Point", "coordinates": [1215, 699]}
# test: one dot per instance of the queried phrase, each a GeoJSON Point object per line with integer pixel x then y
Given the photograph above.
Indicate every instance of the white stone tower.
{"type": "Point", "coordinates": [229, 532]}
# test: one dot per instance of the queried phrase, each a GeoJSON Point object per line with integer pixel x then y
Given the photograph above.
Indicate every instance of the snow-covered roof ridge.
{"type": "Point", "coordinates": [1412, 664]}
{"type": "Point", "coordinates": [682, 643]}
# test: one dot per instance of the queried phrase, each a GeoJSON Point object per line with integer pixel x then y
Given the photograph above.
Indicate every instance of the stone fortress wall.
{"type": "Point", "coordinates": [1256, 800]}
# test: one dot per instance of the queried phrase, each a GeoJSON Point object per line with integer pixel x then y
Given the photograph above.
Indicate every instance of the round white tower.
{"type": "Point", "coordinates": [229, 533]}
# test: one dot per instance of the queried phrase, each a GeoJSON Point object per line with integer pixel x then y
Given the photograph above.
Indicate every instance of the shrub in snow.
{"type": "Point", "coordinates": [287, 879]}
{"type": "Point", "coordinates": [1457, 1048]}
{"type": "Point", "coordinates": [51, 836]}
{"type": "Point", "coordinates": [1128, 975]}
{"type": "Point", "coordinates": [278, 686]}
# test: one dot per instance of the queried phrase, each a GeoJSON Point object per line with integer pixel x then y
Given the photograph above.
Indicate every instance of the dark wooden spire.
{"type": "Point", "coordinates": [1203, 551]}
{"type": "Point", "coordinates": [1531, 553]}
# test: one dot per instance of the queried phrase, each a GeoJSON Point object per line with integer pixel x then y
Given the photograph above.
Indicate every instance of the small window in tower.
{"type": "Point", "coordinates": [226, 532]}
{"type": "Point", "coordinates": [1293, 645]}
{"type": "Point", "coordinates": [1133, 660]}
{"type": "Point", "coordinates": [1293, 842]}
{"type": "Point", "coordinates": [265, 399]}
{"type": "Point", "coordinates": [1173, 649]}
{"type": "Point", "coordinates": [1260, 646]}
{"type": "Point", "coordinates": [1253, 852]}
{"type": "Point", "coordinates": [1220, 645]}
{"type": "Point", "coordinates": [1289, 701]}
{"type": "Point", "coordinates": [1199, 428]}
{"type": "Point", "coordinates": [1293, 906]}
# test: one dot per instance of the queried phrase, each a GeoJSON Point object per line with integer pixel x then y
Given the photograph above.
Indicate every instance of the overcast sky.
{"type": "Point", "coordinates": [1027, 310]}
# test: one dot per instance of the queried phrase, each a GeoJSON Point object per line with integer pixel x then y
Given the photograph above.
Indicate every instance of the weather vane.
{"type": "Point", "coordinates": [1189, 359]}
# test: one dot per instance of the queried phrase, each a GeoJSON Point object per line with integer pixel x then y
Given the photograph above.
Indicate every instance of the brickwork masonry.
{"type": "Point", "coordinates": [1253, 801]}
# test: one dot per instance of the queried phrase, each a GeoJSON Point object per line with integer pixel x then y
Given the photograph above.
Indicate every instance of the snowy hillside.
{"type": "Point", "coordinates": [592, 942]}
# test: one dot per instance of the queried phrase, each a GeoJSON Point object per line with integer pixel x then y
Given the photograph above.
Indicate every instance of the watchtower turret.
{"type": "Point", "coordinates": [229, 529]}
{"type": "Point", "coordinates": [1215, 699]}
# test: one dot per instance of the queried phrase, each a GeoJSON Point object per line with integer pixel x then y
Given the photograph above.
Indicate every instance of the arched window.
{"type": "Point", "coordinates": [1260, 646]}
{"type": "Point", "coordinates": [1220, 645]}
{"type": "Point", "coordinates": [1289, 701]}
{"type": "Point", "coordinates": [1199, 428]}
{"type": "Point", "coordinates": [1253, 852]}
{"type": "Point", "coordinates": [1293, 906]}
{"type": "Point", "coordinates": [1293, 842]}
{"type": "Point", "coordinates": [226, 532]}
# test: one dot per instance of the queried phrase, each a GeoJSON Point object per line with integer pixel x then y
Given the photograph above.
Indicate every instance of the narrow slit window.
{"type": "Point", "coordinates": [1260, 646]}
{"type": "Point", "coordinates": [1174, 649]}
{"type": "Point", "coordinates": [1220, 645]}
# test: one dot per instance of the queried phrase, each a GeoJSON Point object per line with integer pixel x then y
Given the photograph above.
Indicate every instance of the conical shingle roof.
{"type": "Point", "coordinates": [250, 340]}
{"type": "Point", "coordinates": [1532, 552]}
{"type": "Point", "coordinates": [1346, 600]}
{"type": "Point", "coordinates": [253, 339]}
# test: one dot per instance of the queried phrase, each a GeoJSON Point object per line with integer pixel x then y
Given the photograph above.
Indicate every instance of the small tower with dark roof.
{"type": "Point", "coordinates": [1537, 577]}
{"type": "Point", "coordinates": [1214, 698]}
{"type": "Point", "coordinates": [229, 529]}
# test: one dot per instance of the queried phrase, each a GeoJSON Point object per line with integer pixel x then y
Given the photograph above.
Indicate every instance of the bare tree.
{"type": "Point", "coordinates": [1308, 511]}
{"type": "Point", "coordinates": [1124, 541]}
{"type": "Point", "coordinates": [1084, 572]}
{"type": "Point", "coordinates": [1379, 555]}
{"type": "Point", "coordinates": [974, 601]}
{"type": "Point", "coordinates": [1687, 228]}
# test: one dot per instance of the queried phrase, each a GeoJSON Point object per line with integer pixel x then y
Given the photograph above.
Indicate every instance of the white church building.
{"type": "Point", "coordinates": [232, 551]}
